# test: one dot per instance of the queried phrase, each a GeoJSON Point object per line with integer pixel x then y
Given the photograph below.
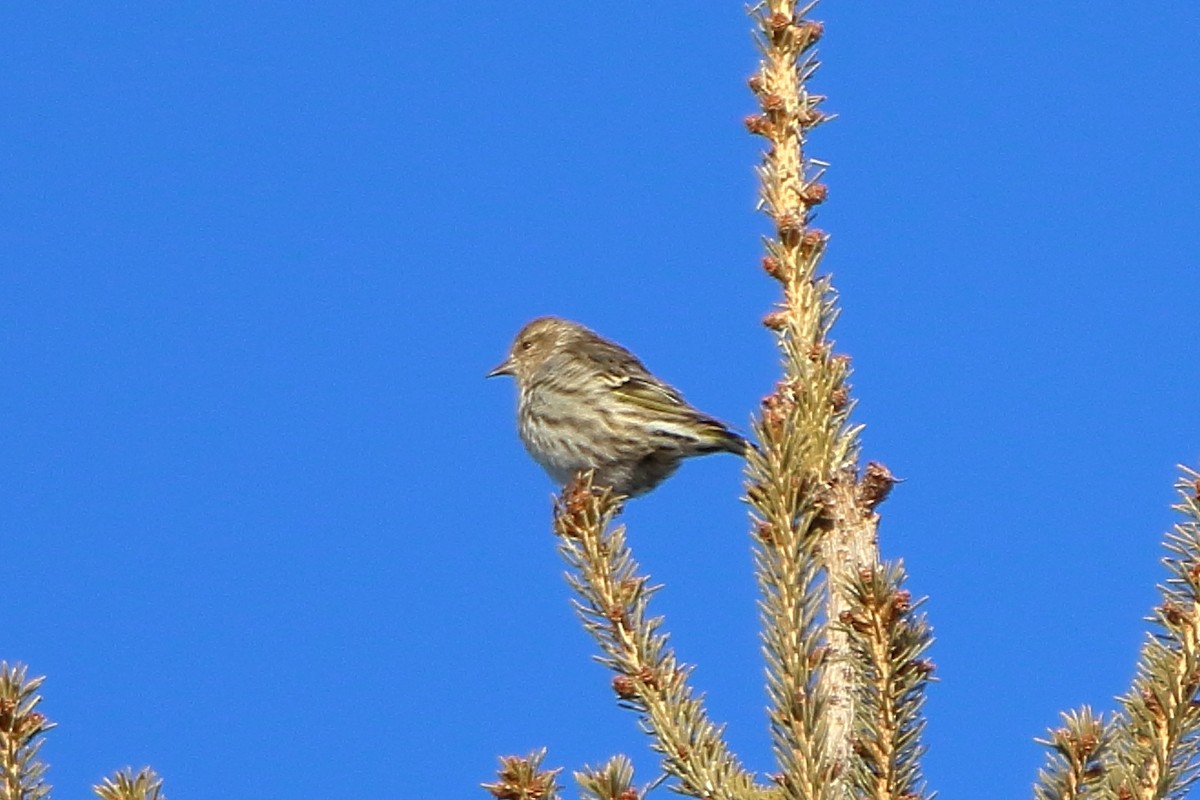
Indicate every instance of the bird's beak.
{"type": "Point", "coordinates": [505, 367]}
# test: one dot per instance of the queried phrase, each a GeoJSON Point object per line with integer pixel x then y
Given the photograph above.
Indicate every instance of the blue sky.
{"type": "Point", "coordinates": [266, 527]}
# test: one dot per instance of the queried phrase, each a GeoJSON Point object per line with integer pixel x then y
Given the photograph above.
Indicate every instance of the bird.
{"type": "Point", "coordinates": [586, 403]}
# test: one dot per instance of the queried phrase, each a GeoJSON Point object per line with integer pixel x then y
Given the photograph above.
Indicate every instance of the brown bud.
{"type": "Point", "coordinates": [1174, 614]}
{"type": "Point", "coordinates": [567, 529]}
{"type": "Point", "coordinates": [809, 117]}
{"type": "Point", "coordinates": [790, 227]}
{"type": "Point", "coordinates": [776, 320]}
{"type": "Point", "coordinates": [648, 677]}
{"type": "Point", "coordinates": [808, 32]}
{"type": "Point", "coordinates": [839, 398]}
{"type": "Point", "coordinates": [756, 82]}
{"type": "Point", "coordinates": [876, 485]}
{"type": "Point", "coordinates": [814, 194]}
{"type": "Point", "coordinates": [29, 726]}
{"type": "Point", "coordinates": [759, 125]}
{"type": "Point", "coordinates": [776, 408]}
{"type": "Point", "coordinates": [1152, 702]}
{"type": "Point", "coordinates": [628, 794]}
{"type": "Point", "coordinates": [778, 24]}
{"type": "Point", "coordinates": [538, 787]}
{"type": "Point", "coordinates": [813, 239]}
{"type": "Point", "coordinates": [625, 687]}
{"type": "Point", "coordinates": [773, 267]}
{"type": "Point", "coordinates": [773, 419]}
{"type": "Point", "coordinates": [773, 103]}
{"type": "Point", "coordinates": [577, 495]}
{"type": "Point", "coordinates": [902, 601]}
{"type": "Point", "coordinates": [925, 666]}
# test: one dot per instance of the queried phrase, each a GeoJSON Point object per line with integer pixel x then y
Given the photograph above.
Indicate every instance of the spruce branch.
{"type": "Point", "coordinates": [1157, 739]}
{"type": "Point", "coordinates": [849, 549]}
{"type": "Point", "coordinates": [613, 781]}
{"type": "Point", "coordinates": [21, 735]}
{"type": "Point", "coordinates": [1075, 765]}
{"type": "Point", "coordinates": [814, 523]}
{"type": "Point", "coordinates": [124, 785]}
{"type": "Point", "coordinates": [788, 571]}
{"type": "Point", "coordinates": [522, 778]}
{"type": "Point", "coordinates": [889, 640]}
{"type": "Point", "coordinates": [613, 602]}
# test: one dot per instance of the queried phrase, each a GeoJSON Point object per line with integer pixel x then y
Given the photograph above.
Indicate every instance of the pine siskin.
{"type": "Point", "coordinates": [587, 403]}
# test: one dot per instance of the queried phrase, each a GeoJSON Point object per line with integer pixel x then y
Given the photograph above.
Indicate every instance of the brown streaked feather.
{"type": "Point", "coordinates": [585, 402]}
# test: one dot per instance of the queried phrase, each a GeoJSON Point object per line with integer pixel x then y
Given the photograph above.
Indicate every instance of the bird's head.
{"type": "Point", "coordinates": [533, 345]}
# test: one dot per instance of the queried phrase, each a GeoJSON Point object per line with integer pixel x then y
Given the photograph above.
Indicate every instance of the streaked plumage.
{"type": "Point", "coordinates": [584, 402]}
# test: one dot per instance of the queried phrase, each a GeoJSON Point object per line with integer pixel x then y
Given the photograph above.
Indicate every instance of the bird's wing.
{"type": "Point", "coordinates": [673, 416]}
{"type": "Point", "coordinates": [634, 384]}
{"type": "Point", "coordinates": [651, 395]}
{"type": "Point", "coordinates": [629, 378]}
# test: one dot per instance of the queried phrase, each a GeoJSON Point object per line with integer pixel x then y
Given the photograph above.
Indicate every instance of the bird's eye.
{"type": "Point", "coordinates": [526, 345]}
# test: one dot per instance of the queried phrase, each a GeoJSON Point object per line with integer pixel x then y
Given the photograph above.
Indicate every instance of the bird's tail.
{"type": "Point", "coordinates": [718, 439]}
